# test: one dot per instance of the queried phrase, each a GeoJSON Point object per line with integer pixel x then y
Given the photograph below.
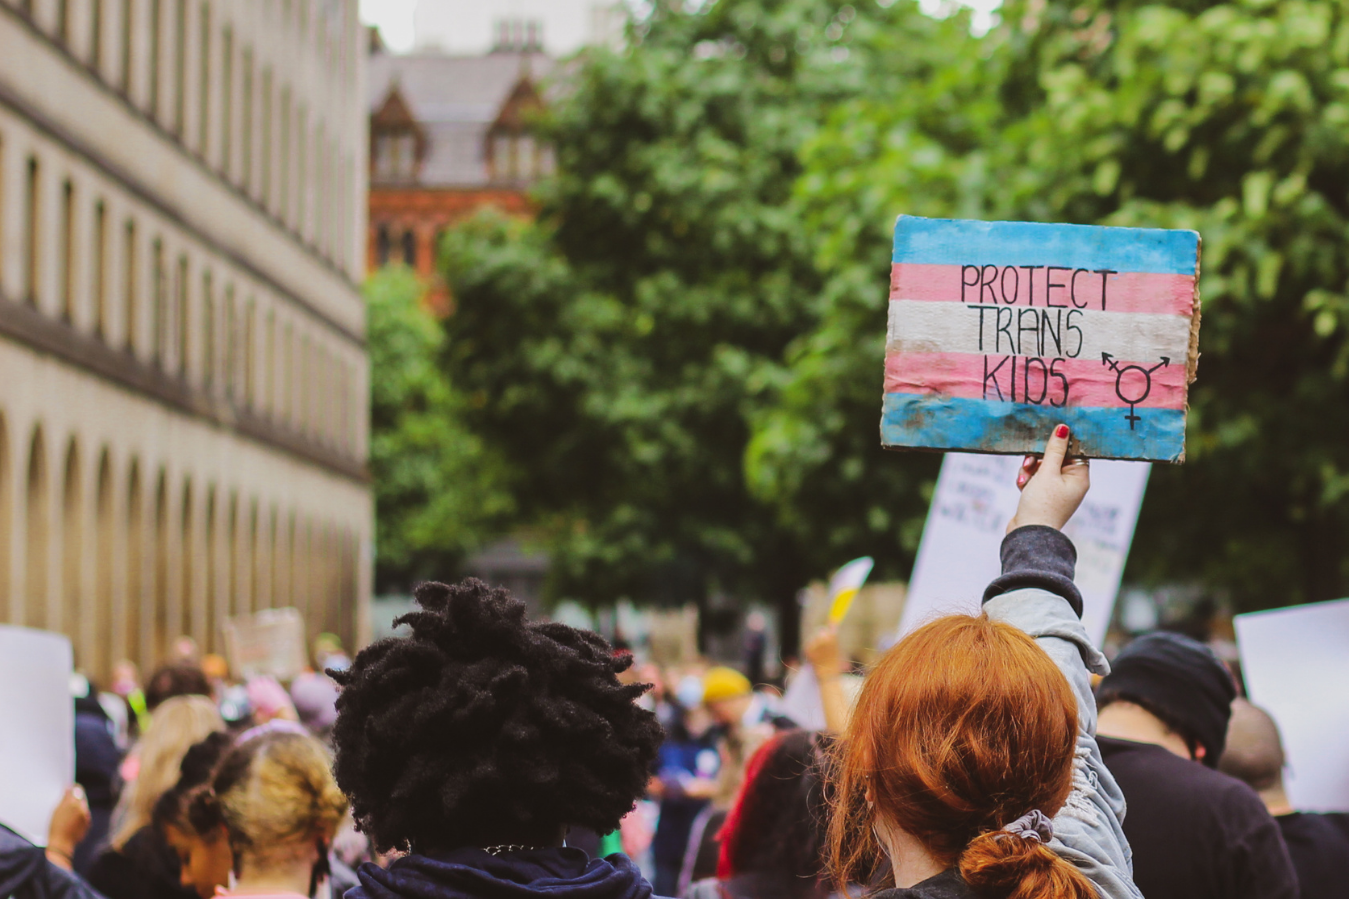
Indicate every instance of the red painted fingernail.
{"type": "Point", "coordinates": [1061, 431]}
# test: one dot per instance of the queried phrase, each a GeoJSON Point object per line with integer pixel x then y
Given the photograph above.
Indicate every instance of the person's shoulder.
{"type": "Point", "coordinates": [1180, 780]}
{"type": "Point", "coordinates": [1314, 827]}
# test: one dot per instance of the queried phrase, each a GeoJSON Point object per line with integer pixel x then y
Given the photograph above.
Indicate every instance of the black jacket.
{"type": "Point", "coordinates": [946, 885]}
{"type": "Point", "coordinates": [470, 873]}
{"type": "Point", "coordinates": [145, 868]}
{"type": "Point", "coordinates": [25, 873]}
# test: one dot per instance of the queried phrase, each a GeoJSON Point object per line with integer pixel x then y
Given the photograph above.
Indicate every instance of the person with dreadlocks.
{"type": "Point", "coordinates": [475, 743]}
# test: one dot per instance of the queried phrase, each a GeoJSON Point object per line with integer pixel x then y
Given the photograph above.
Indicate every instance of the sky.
{"type": "Point", "coordinates": [466, 26]}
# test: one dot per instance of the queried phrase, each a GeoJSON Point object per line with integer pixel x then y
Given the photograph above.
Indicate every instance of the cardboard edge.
{"type": "Point", "coordinates": [1074, 447]}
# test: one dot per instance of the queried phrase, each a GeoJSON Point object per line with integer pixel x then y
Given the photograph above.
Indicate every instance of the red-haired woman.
{"type": "Point", "coordinates": [970, 767]}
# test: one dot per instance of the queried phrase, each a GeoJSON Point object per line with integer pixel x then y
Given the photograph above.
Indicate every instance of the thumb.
{"type": "Point", "coordinates": [1055, 450]}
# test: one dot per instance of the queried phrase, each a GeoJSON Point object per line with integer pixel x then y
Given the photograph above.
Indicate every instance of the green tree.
{"type": "Point", "coordinates": [617, 351]}
{"type": "Point", "coordinates": [1228, 118]}
{"type": "Point", "coordinates": [438, 493]}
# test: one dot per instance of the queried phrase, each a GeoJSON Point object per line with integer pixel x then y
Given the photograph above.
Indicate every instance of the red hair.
{"type": "Point", "coordinates": [963, 727]}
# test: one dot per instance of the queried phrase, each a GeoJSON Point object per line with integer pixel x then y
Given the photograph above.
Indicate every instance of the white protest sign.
{"type": "Point", "coordinates": [268, 642]}
{"type": "Point", "coordinates": [801, 701]}
{"type": "Point", "coordinates": [37, 744]}
{"type": "Point", "coordinates": [976, 496]}
{"type": "Point", "coordinates": [1296, 663]}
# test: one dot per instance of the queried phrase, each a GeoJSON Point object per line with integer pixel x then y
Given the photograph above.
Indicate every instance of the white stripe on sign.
{"type": "Point", "coordinates": [920, 327]}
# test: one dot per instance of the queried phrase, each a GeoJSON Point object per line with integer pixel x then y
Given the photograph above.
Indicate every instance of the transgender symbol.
{"type": "Point", "coordinates": [1141, 386]}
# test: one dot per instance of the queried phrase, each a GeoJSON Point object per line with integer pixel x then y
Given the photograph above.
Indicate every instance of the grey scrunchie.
{"type": "Point", "coordinates": [1034, 826]}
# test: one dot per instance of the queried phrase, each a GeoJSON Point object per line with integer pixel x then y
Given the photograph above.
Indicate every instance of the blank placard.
{"type": "Point", "coordinates": [37, 746]}
{"type": "Point", "coordinates": [1296, 665]}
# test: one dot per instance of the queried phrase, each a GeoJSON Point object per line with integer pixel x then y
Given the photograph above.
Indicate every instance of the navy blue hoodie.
{"type": "Point", "coordinates": [471, 873]}
{"type": "Point", "coordinates": [25, 872]}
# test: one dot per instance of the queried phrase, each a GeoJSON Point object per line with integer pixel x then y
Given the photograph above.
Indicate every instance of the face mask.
{"type": "Point", "coordinates": [690, 691]}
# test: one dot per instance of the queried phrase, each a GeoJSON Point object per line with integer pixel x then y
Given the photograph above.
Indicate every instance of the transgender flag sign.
{"type": "Point", "coordinates": [1000, 330]}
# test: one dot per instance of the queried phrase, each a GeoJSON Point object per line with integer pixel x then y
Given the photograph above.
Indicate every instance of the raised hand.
{"type": "Point", "coordinates": [1052, 487]}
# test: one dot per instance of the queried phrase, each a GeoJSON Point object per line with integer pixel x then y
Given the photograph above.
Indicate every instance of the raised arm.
{"type": "Point", "coordinates": [1036, 593]}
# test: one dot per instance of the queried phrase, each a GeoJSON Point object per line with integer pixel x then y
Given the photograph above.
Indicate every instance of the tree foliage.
{"type": "Point", "coordinates": [438, 493]}
{"type": "Point", "coordinates": [619, 350]}
{"type": "Point", "coordinates": [680, 361]}
{"type": "Point", "coordinates": [1228, 118]}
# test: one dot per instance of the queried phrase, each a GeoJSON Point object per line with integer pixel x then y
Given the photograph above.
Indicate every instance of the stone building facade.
{"type": "Point", "coordinates": [183, 424]}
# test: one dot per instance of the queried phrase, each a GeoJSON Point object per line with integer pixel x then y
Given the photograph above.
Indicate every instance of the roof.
{"type": "Point", "coordinates": [456, 99]}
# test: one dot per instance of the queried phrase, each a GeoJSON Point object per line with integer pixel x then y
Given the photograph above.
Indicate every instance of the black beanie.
{"type": "Point", "coordinates": [1180, 678]}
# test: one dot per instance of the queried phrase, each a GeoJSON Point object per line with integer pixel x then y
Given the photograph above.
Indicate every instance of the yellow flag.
{"type": "Point", "coordinates": [845, 583]}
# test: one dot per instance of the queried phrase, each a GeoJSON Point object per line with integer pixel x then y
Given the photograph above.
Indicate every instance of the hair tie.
{"type": "Point", "coordinates": [275, 726]}
{"type": "Point", "coordinates": [1034, 826]}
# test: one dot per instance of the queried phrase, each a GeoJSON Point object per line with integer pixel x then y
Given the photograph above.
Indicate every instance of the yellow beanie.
{"type": "Point", "coordinates": [725, 683]}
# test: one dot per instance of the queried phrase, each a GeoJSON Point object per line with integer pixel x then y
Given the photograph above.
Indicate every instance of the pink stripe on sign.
{"type": "Point", "coordinates": [1088, 382]}
{"type": "Point", "coordinates": [1019, 286]}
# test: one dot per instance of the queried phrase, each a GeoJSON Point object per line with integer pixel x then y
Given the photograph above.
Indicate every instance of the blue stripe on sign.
{"type": "Point", "coordinates": [949, 423]}
{"type": "Point", "coordinates": [956, 242]}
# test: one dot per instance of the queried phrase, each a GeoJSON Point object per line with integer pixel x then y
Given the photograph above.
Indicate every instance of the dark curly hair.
{"type": "Point", "coordinates": [199, 764]}
{"type": "Point", "coordinates": [483, 727]}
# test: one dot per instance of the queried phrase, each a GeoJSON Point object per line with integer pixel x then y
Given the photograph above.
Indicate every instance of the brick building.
{"type": "Point", "coordinates": [448, 135]}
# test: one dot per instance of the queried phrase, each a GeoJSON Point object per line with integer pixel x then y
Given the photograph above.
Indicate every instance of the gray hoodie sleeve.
{"type": "Point", "coordinates": [1031, 595]}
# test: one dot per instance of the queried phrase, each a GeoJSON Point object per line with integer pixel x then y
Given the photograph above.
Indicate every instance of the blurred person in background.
{"type": "Point", "coordinates": [269, 701]}
{"type": "Point", "coordinates": [685, 781]}
{"type": "Point", "coordinates": [217, 672]}
{"type": "Point", "coordinates": [185, 651]}
{"type": "Point", "coordinates": [969, 767]}
{"type": "Point", "coordinates": [31, 872]}
{"type": "Point", "coordinates": [736, 706]}
{"type": "Point", "coordinates": [829, 666]}
{"type": "Point", "coordinates": [138, 864]}
{"type": "Point", "coordinates": [314, 696]}
{"type": "Point", "coordinates": [756, 646]}
{"type": "Point", "coordinates": [1196, 832]}
{"type": "Point", "coordinates": [1317, 843]}
{"type": "Point", "coordinates": [273, 806]}
{"type": "Point", "coordinates": [97, 760]}
{"type": "Point", "coordinates": [126, 683]}
{"type": "Point", "coordinates": [772, 842]}
{"type": "Point", "coordinates": [478, 740]}
{"type": "Point", "coordinates": [328, 653]}
{"type": "Point", "coordinates": [177, 679]}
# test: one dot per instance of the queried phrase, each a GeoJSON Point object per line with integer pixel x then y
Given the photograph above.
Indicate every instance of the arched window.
{"type": "Point", "coordinates": [257, 573]}
{"type": "Point", "coordinates": [159, 622]}
{"type": "Point", "coordinates": [410, 248]}
{"type": "Point", "coordinates": [211, 559]}
{"type": "Point", "coordinates": [36, 518]}
{"type": "Point", "coordinates": [192, 623]}
{"type": "Point", "coordinates": [134, 646]}
{"type": "Point", "coordinates": [101, 617]}
{"type": "Point", "coordinates": [72, 552]}
{"type": "Point", "coordinates": [382, 245]}
{"type": "Point", "coordinates": [233, 601]}
{"type": "Point", "coordinates": [277, 596]}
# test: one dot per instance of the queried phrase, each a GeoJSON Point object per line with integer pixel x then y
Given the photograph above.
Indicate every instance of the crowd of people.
{"type": "Point", "coordinates": [490, 756]}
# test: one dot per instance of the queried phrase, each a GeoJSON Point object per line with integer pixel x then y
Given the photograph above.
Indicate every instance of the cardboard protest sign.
{"type": "Point", "coordinates": [1295, 667]}
{"type": "Point", "coordinates": [1000, 330]}
{"type": "Point", "coordinates": [270, 642]}
{"type": "Point", "coordinates": [975, 498]}
{"type": "Point", "coordinates": [38, 747]}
